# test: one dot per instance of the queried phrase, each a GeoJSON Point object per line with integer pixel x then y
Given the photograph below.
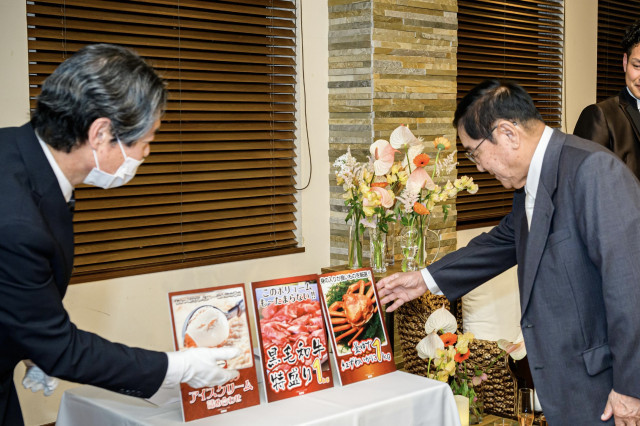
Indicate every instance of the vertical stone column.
{"type": "Point", "coordinates": [391, 62]}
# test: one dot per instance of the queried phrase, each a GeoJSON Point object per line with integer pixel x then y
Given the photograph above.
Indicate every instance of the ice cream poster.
{"type": "Point", "coordinates": [292, 335]}
{"type": "Point", "coordinates": [358, 335]}
{"type": "Point", "coordinates": [212, 318]}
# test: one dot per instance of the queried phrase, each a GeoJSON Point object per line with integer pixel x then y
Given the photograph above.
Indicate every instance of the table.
{"type": "Point", "coordinates": [396, 398]}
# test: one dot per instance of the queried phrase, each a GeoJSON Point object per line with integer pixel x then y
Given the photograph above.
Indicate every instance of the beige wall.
{"type": "Point", "coordinates": [135, 310]}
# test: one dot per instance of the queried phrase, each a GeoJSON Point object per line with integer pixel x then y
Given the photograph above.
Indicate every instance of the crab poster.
{"type": "Point", "coordinates": [215, 318]}
{"type": "Point", "coordinates": [358, 335]}
{"type": "Point", "coordinates": [292, 337]}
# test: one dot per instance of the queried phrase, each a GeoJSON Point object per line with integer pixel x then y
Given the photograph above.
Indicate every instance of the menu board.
{"type": "Point", "coordinates": [360, 344]}
{"type": "Point", "coordinates": [215, 318]}
{"type": "Point", "coordinates": [292, 337]}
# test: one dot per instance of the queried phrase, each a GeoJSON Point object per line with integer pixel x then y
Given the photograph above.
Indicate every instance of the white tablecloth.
{"type": "Point", "coordinates": [393, 399]}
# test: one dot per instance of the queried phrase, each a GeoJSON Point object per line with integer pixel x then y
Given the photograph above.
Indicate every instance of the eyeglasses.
{"type": "Point", "coordinates": [471, 155]}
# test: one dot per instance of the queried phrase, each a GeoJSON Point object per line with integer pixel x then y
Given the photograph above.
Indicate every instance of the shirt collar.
{"type": "Point", "coordinates": [535, 168]}
{"type": "Point", "coordinates": [65, 185]}
{"type": "Point", "coordinates": [637, 100]}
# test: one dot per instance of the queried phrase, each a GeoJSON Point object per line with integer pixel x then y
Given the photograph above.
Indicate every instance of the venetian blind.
{"type": "Point", "coordinates": [614, 16]}
{"type": "Point", "coordinates": [520, 40]}
{"type": "Point", "coordinates": [219, 183]}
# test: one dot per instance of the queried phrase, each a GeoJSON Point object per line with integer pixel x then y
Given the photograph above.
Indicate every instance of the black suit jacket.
{"type": "Point", "coordinates": [578, 276]}
{"type": "Point", "coordinates": [615, 124]}
{"type": "Point", "coordinates": [36, 260]}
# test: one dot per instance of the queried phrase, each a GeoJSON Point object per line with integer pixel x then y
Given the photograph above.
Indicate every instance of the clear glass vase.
{"type": "Point", "coordinates": [377, 244]}
{"type": "Point", "coordinates": [409, 248]}
{"type": "Point", "coordinates": [390, 248]}
{"type": "Point", "coordinates": [354, 260]}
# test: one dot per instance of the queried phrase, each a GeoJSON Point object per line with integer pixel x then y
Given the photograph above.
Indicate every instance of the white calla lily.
{"type": "Point", "coordinates": [402, 137]}
{"type": "Point", "coordinates": [427, 347]}
{"type": "Point", "coordinates": [515, 349]}
{"type": "Point", "coordinates": [441, 320]}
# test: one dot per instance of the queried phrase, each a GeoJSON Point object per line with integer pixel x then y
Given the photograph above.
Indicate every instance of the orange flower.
{"type": "Point", "coordinates": [441, 143]}
{"type": "Point", "coordinates": [449, 339]}
{"type": "Point", "coordinates": [419, 208]}
{"type": "Point", "coordinates": [379, 184]}
{"type": "Point", "coordinates": [461, 357]}
{"type": "Point", "coordinates": [421, 160]}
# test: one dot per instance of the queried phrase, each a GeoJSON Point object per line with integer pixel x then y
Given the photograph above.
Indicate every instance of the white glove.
{"type": "Point", "coordinates": [35, 379]}
{"type": "Point", "coordinates": [199, 367]}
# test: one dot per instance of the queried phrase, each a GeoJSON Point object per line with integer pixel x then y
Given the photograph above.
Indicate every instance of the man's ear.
{"type": "Point", "coordinates": [510, 130]}
{"type": "Point", "coordinates": [625, 62]}
{"type": "Point", "coordinates": [99, 132]}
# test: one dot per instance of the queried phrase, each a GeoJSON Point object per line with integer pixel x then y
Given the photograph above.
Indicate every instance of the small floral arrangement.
{"type": "Point", "coordinates": [448, 352]}
{"type": "Point", "coordinates": [423, 190]}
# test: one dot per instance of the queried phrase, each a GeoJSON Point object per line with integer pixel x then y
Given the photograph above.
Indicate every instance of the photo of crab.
{"type": "Point", "coordinates": [353, 312]}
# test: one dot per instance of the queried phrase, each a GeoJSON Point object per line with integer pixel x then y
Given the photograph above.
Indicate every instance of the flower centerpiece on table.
{"type": "Point", "coordinates": [423, 190]}
{"type": "Point", "coordinates": [448, 351]}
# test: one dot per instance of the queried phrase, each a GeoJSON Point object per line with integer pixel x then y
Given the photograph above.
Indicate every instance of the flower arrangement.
{"type": "Point", "coordinates": [384, 189]}
{"type": "Point", "coordinates": [448, 352]}
{"type": "Point", "coordinates": [421, 192]}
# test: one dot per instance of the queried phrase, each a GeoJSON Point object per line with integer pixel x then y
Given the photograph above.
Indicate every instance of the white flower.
{"type": "Point", "coordinates": [441, 320]}
{"type": "Point", "coordinates": [402, 137]}
{"type": "Point", "coordinates": [428, 346]}
{"type": "Point", "coordinates": [515, 349]}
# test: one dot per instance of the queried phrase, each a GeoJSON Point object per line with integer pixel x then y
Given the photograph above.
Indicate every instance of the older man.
{"type": "Point", "coordinates": [94, 122]}
{"type": "Point", "coordinates": [574, 232]}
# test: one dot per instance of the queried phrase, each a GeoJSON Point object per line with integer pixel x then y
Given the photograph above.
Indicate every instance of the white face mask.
{"type": "Point", "coordinates": [124, 174]}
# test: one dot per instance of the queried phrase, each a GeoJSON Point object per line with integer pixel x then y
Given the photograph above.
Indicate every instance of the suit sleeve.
{"type": "Point", "coordinates": [486, 256]}
{"type": "Point", "coordinates": [37, 326]}
{"type": "Point", "coordinates": [592, 125]}
{"type": "Point", "coordinates": [608, 196]}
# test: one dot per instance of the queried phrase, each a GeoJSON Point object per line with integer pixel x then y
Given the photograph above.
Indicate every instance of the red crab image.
{"type": "Point", "coordinates": [354, 311]}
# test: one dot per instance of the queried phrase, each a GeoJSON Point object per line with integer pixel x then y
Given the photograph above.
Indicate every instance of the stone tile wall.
{"type": "Point", "coordinates": [391, 62]}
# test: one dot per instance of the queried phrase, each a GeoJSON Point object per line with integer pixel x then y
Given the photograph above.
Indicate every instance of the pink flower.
{"type": "Point", "coordinates": [383, 154]}
{"type": "Point", "coordinates": [476, 380]}
{"type": "Point", "coordinates": [418, 179]}
{"type": "Point", "coordinates": [386, 198]}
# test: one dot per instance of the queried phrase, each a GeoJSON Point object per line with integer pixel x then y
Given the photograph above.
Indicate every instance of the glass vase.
{"type": "Point", "coordinates": [409, 248]}
{"type": "Point", "coordinates": [423, 259]}
{"type": "Point", "coordinates": [390, 248]}
{"type": "Point", "coordinates": [354, 260]}
{"type": "Point", "coordinates": [377, 244]}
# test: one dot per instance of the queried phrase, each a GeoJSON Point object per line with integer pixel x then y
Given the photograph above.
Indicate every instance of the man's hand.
{"type": "Point", "coordinates": [625, 409]}
{"type": "Point", "coordinates": [400, 288]}
{"type": "Point", "coordinates": [35, 379]}
{"type": "Point", "coordinates": [200, 367]}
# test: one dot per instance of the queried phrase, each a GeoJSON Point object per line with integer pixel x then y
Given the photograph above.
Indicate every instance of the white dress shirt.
{"type": "Point", "coordinates": [65, 185]}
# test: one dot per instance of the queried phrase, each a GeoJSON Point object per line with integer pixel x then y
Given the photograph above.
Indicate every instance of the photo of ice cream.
{"type": "Point", "coordinates": [212, 319]}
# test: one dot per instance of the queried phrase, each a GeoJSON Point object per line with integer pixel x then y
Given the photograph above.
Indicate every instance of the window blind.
{"type": "Point", "coordinates": [219, 184]}
{"type": "Point", "coordinates": [614, 16]}
{"type": "Point", "coordinates": [520, 40]}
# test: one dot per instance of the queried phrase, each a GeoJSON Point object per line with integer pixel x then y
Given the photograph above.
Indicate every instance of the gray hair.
{"type": "Point", "coordinates": [100, 80]}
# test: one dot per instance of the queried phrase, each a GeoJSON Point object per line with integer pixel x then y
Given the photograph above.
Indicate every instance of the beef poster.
{"type": "Point", "coordinates": [215, 317]}
{"type": "Point", "coordinates": [358, 335]}
{"type": "Point", "coordinates": [292, 337]}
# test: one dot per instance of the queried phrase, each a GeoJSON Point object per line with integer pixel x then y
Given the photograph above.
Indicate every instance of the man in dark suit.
{"type": "Point", "coordinates": [94, 121]}
{"type": "Point", "coordinates": [574, 233]}
{"type": "Point", "coordinates": [615, 122]}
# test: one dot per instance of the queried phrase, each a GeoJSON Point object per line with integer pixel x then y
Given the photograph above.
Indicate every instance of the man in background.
{"type": "Point", "coordinates": [615, 122]}
{"type": "Point", "coordinates": [94, 121]}
{"type": "Point", "coordinates": [574, 232]}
